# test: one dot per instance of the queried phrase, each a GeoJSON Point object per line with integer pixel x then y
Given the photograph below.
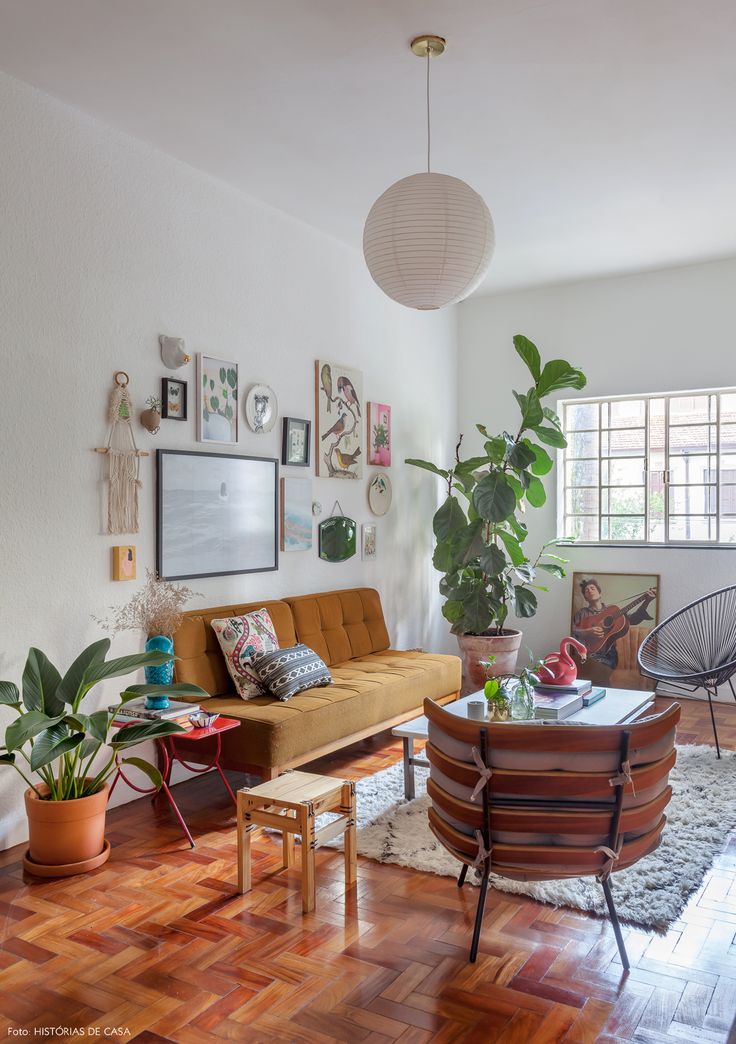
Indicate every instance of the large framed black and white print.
{"type": "Point", "coordinates": [216, 514]}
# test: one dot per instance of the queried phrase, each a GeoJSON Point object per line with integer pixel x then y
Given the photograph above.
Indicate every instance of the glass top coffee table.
{"type": "Point", "coordinates": [617, 707]}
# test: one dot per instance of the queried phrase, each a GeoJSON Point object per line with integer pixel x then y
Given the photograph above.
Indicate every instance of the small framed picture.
{"type": "Point", "coordinates": [295, 442]}
{"type": "Point", "coordinates": [368, 531]}
{"type": "Point", "coordinates": [217, 400]}
{"type": "Point", "coordinates": [173, 399]}
{"type": "Point", "coordinates": [123, 563]}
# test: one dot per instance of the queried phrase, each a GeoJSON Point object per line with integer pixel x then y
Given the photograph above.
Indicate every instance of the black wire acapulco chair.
{"type": "Point", "coordinates": [695, 648]}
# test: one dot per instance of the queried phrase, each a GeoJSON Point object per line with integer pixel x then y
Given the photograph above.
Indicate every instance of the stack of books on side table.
{"type": "Point", "coordinates": [555, 702]}
{"type": "Point", "coordinates": [136, 710]}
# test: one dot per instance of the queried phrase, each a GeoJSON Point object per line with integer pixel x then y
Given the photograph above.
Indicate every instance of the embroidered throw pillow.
{"type": "Point", "coordinates": [286, 672]}
{"type": "Point", "coordinates": [240, 638]}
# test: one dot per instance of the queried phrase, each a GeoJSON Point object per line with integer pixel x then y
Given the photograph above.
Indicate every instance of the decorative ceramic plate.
{"type": "Point", "coordinates": [379, 494]}
{"type": "Point", "coordinates": [261, 408]}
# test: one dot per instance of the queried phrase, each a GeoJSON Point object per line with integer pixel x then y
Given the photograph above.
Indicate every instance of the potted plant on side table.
{"type": "Point", "coordinates": [480, 530]}
{"type": "Point", "coordinates": [55, 741]}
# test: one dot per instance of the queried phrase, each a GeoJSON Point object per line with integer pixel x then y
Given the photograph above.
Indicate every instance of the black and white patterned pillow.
{"type": "Point", "coordinates": [285, 672]}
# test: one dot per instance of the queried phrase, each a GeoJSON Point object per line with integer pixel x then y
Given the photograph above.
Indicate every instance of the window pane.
{"type": "Point", "coordinates": [728, 438]}
{"type": "Point", "coordinates": [692, 409]}
{"type": "Point", "coordinates": [692, 469]}
{"type": "Point", "coordinates": [686, 441]}
{"type": "Point", "coordinates": [581, 473]}
{"type": "Point", "coordinates": [582, 502]}
{"type": "Point", "coordinates": [728, 531]}
{"type": "Point", "coordinates": [728, 409]}
{"type": "Point", "coordinates": [582, 444]}
{"type": "Point", "coordinates": [728, 500]}
{"type": "Point", "coordinates": [657, 530]}
{"type": "Point", "coordinates": [628, 500]}
{"type": "Point", "coordinates": [692, 528]}
{"type": "Point", "coordinates": [627, 414]}
{"type": "Point", "coordinates": [728, 467]}
{"type": "Point", "coordinates": [623, 443]}
{"type": "Point", "coordinates": [624, 472]}
{"type": "Point", "coordinates": [583, 415]}
{"type": "Point", "coordinates": [622, 528]}
{"type": "Point", "coordinates": [692, 500]}
{"type": "Point", "coordinates": [582, 527]}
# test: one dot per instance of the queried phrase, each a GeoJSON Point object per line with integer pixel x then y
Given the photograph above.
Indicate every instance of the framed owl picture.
{"type": "Point", "coordinates": [173, 399]}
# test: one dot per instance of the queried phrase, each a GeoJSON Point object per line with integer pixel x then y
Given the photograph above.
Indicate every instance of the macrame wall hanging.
{"type": "Point", "coordinates": [123, 461]}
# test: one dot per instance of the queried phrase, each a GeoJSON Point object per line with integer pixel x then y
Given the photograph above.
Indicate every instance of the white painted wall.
{"type": "Point", "coordinates": [667, 330]}
{"type": "Point", "coordinates": [104, 244]}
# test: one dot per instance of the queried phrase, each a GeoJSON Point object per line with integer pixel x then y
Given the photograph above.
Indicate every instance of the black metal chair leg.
{"type": "Point", "coordinates": [733, 691]}
{"type": "Point", "coordinates": [479, 914]}
{"type": "Point", "coordinates": [461, 878]}
{"type": "Point", "coordinates": [713, 720]}
{"type": "Point", "coordinates": [614, 921]}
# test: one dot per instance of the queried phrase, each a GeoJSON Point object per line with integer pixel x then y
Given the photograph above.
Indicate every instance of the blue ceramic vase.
{"type": "Point", "coordinates": [163, 675]}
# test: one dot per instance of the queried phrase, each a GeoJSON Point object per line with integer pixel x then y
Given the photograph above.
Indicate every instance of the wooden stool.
{"type": "Point", "coordinates": [290, 804]}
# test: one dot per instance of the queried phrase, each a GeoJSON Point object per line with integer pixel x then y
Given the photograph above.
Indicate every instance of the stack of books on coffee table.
{"type": "Point", "coordinates": [555, 702]}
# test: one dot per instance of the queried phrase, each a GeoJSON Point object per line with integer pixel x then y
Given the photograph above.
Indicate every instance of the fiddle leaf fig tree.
{"type": "Point", "coordinates": [480, 529]}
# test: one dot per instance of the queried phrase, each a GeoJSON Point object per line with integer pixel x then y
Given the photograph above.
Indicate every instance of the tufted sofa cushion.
{"type": "Point", "coordinates": [341, 625]}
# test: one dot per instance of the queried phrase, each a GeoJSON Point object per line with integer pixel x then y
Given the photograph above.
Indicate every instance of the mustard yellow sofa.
{"type": "Point", "coordinates": [374, 687]}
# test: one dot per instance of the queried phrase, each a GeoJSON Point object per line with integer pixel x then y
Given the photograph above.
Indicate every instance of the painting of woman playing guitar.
{"type": "Point", "coordinates": [601, 620]}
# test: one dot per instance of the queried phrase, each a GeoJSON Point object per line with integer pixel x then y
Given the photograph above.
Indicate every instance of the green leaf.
{"type": "Point", "coordinates": [89, 747]}
{"type": "Point", "coordinates": [553, 568]}
{"type": "Point", "coordinates": [525, 572]}
{"type": "Point", "coordinates": [543, 463]}
{"type": "Point", "coordinates": [535, 492]}
{"type": "Point", "coordinates": [530, 354]}
{"type": "Point", "coordinates": [526, 602]}
{"type": "Point", "coordinates": [132, 735]}
{"type": "Point", "coordinates": [27, 727]}
{"type": "Point", "coordinates": [176, 689]}
{"type": "Point", "coordinates": [153, 773]}
{"type": "Point", "coordinates": [492, 560]}
{"type": "Point", "coordinates": [518, 528]}
{"type": "Point", "coordinates": [558, 373]}
{"type": "Point", "coordinates": [513, 547]}
{"type": "Point", "coordinates": [521, 456]}
{"type": "Point", "coordinates": [465, 467]}
{"type": "Point", "coordinates": [531, 408]}
{"type": "Point", "coordinates": [494, 497]}
{"type": "Point", "coordinates": [550, 436]}
{"type": "Point", "coordinates": [449, 519]}
{"type": "Point", "coordinates": [9, 695]}
{"type": "Point", "coordinates": [452, 610]}
{"type": "Point", "coordinates": [443, 558]}
{"type": "Point", "coordinates": [496, 449]}
{"type": "Point", "coordinates": [7, 759]}
{"type": "Point", "coordinates": [427, 466]}
{"type": "Point", "coordinates": [477, 612]}
{"type": "Point", "coordinates": [40, 682]}
{"type": "Point", "coordinates": [97, 672]}
{"type": "Point", "coordinates": [52, 743]}
{"type": "Point", "coordinates": [99, 725]}
{"type": "Point", "coordinates": [74, 678]}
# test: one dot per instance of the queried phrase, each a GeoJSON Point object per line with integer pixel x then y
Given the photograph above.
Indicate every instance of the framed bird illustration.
{"type": "Point", "coordinates": [340, 420]}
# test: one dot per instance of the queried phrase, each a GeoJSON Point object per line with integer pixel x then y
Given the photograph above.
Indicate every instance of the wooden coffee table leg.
{"type": "Point", "coordinates": [287, 841]}
{"type": "Point", "coordinates": [244, 832]}
{"type": "Point", "coordinates": [351, 840]}
{"type": "Point", "coordinates": [306, 826]}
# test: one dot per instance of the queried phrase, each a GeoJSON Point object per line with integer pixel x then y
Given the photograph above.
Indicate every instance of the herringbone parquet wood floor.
{"type": "Point", "coordinates": [157, 946]}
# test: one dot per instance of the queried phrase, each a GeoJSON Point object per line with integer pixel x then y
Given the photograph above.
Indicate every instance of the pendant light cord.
{"type": "Point", "coordinates": [429, 134]}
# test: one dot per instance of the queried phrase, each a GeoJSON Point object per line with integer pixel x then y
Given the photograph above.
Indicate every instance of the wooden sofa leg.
{"type": "Point", "coordinates": [269, 773]}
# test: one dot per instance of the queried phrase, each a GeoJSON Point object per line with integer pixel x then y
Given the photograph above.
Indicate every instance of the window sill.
{"type": "Point", "coordinates": [641, 545]}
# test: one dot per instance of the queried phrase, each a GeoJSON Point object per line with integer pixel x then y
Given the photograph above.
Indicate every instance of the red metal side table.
{"type": "Point", "coordinates": [168, 753]}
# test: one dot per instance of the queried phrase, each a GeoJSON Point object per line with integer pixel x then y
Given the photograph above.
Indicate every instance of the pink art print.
{"type": "Point", "coordinates": [379, 434]}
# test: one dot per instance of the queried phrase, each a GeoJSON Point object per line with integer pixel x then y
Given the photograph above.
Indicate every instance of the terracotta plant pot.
{"type": "Point", "coordinates": [64, 835]}
{"type": "Point", "coordinates": [477, 647]}
{"type": "Point", "coordinates": [151, 420]}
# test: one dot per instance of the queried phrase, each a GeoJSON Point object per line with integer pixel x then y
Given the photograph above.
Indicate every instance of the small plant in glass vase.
{"type": "Point", "coordinates": [512, 695]}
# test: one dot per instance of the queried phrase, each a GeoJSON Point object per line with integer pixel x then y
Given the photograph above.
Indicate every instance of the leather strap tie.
{"type": "Point", "coordinates": [623, 777]}
{"type": "Point", "coordinates": [484, 853]}
{"type": "Point", "coordinates": [607, 869]}
{"type": "Point", "coordinates": [484, 773]}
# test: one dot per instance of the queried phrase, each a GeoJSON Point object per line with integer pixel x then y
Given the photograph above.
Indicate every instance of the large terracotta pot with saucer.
{"type": "Point", "coordinates": [476, 647]}
{"type": "Point", "coordinates": [65, 837]}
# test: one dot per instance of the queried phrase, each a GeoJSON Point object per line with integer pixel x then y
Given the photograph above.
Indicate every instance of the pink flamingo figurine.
{"type": "Point", "coordinates": [559, 668]}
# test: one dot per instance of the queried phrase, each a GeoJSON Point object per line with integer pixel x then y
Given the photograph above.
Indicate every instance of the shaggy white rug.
{"type": "Point", "coordinates": [651, 894]}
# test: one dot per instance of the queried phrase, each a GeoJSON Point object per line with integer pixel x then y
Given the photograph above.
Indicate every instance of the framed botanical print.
{"type": "Point", "coordinates": [368, 532]}
{"type": "Point", "coordinates": [295, 442]}
{"type": "Point", "coordinates": [379, 434]}
{"type": "Point", "coordinates": [217, 387]}
{"type": "Point", "coordinates": [173, 399]}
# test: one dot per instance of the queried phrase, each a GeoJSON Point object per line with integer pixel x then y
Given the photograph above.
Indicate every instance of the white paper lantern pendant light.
{"type": "Point", "coordinates": [429, 239]}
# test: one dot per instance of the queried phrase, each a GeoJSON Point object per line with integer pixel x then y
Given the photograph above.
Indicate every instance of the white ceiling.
{"type": "Point", "coordinates": [601, 133]}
